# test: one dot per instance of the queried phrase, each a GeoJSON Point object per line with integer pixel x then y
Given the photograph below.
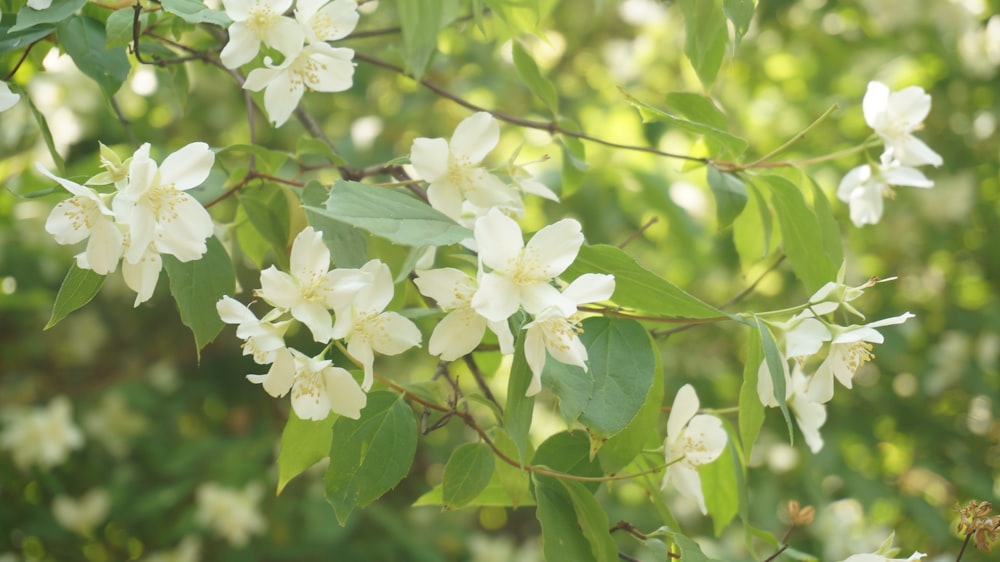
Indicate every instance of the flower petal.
{"type": "Point", "coordinates": [875, 103]}
{"type": "Point", "coordinates": [590, 287]}
{"type": "Point", "coordinates": [337, 67]}
{"type": "Point", "coordinates": [534, 355]}
{"type": "Point", "coordinates": [242, 47]}
{"type": "Point", "coordinates": [497, 298]}
{"type": "Point", "coordinates": [316, 317]}
{"type": "Point", "coordinates": [449, 287]}
{"type": "Point", "coordinates": [553, 248]}
{"type": "Point", "coordinates": [105, 246]}
{"type": "Point", "coordinates": [684, 408]}
{"type": "Point", "coordinates": [310, 258]}
{"type": "Point", "coordinates": [142, 276]}
{"type": "Point", "coordinates": [188, 167]}
{"type": "Point", "coordinates": [281, 97]}
{"type": "Point", "coordinates": [398, 334]}
{"type": "Point", "coordinates": [457, 334]}
{"type": "Point", "coordinates": [500, 242]}
{"type": "Point", "coordinates": [475, 137]}
{"type": "Point", "coordinates": [430, 158]}
{"type": "Point", "coordinates": [279, 289]}
{"type": "Point", "coordinates": [345, 395]}
{"type": "Point", "coordinates": [911, 103]}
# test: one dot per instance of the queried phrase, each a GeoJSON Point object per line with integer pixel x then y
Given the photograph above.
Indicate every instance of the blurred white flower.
{"type": "Point", "coordinates": [692, 440]}
{"type": "Point", "coordinates": [7, 97]}
{"type": "Point", "coordinates": [553, 333]}
{"type": "Point", "coordinates": [44, 436]}
{"type": "Point", "coordinates": [317, 386]}
{"type": "Point", "coordinates": [317, 67]}
{"type": "Point", "coordinates": [894, 116]}
{"type": "Point", "coordinates": [454, 173]}
{"type": "Point", "coordinates": [256, 22]}
{"type": "Point", "coordinates": [233, 514]}
{"type": "Point", "coordinates": [188, 550]}
{"type": "Point", "coordinates": [863, 188]}
{"type": "Point", "coordinates": [82, 515]}
{"type": "Point", "coordinates": [461, 330]}
{"type": "Point", "coordinates": [521, 274]}
{"type": "Point", "coordinates": [113, 423]}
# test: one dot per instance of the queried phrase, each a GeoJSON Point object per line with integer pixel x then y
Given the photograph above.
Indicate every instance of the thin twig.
{"type": "Point", "coordinates": [126, 124]}
{"type": "Point", "coordinates": [964, 546]}
{"type": "Point", "coordinates": [20, 61]}
{"type": "Point", "coordinates": [638, 233]}
{"type": "Point", "coordinates": [481, 381]}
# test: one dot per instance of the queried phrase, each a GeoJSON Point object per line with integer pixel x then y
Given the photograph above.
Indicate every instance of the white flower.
{"type": "Point", "coordinates": [326, 21]}
{"type": "Point", "coordinates": [810, 415]}
{"type": "Point", "coordinates": [44, 436]}
{"type": "Point", "coordinates": [894, 116]}
{"type": "Point", "coordinates": [231, 513]}
{"type": "Point", "coordinates": [156, 208]}
{"type": "Point", "coordinates": [83, 216]}
{"type": "Point", "coordinates": [141, 276]}
{"type": "Point", "coordinates": [836, 294]}
{"type": "Point", "coordinates": [850, 348]}
{"type": "Point", "coordinates": [7, 98]}
{"type": "Point", "coordinates": [317, 66]}
{"type": "Point", "coordinates": [553, 332]}
{"type": "Point", "coordinates": [81, 515]}
{"type": "Point", "coordinates": [261, 338]}
{"type": "Point", "coordinates": [317, 386]}
{"type": "Point", "coordinates": [256, 22]}
{"type": "Point", "coordinates": [310, 290]}
{"type": "Point", "coordinates": [864, 188]}
{"type": "Point", "coordinates": [461, 330]}
{"type": "Point", "coordinates": [453, 171]}
{"type": "Point", "coordinates": [368, 329]}
{"type": "Point", "coordinates": [521, 275]}
{"type": "Point", "coordinates": [188, 550]}
{"type": "Point", "coordinates": [115, 171]}
{"type": "Point", "coordinates": [692, 440]}
{"type": "Point", "coordinates": [114, 423]}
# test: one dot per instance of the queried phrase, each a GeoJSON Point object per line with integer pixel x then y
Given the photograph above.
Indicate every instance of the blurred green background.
{"type": "Point", "coordinates": [917, 436]}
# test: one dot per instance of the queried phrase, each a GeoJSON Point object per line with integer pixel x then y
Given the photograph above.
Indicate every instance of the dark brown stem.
{"type": "Point", "coordinates": [965, 545]}
{"type": "Point", "coordinates": [20, 61]}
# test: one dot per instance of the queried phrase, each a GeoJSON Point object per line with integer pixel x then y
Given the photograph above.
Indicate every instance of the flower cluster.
{"type": "Point", "coordinates": [342, 304]}
{"type": "Point", "coordinates": [44, 436]}
{"type": "Point", "coordinates": [893, 116]}
{"type": "Point", "coordinates": [458, 184]}
{"type": "Point", "coordinates": [148, 214]}
{"type": "Point", "coordinates": [804, 335]}
{"type": "Point", "coordinates": [232, 514]}
{"type": "Point", "coordinates": [307, 61]}
{"type": "Point", "coordinates": [512, 276]}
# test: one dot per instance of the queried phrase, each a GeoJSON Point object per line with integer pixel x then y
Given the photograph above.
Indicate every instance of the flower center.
{"type": "Point", "coordinates": [261, 18]}
{"type": "Point", "coordinates": [857, 355]}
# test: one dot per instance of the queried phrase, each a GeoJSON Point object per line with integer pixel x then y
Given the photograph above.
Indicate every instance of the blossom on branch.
{"type": "Point", "coordinates": [894, 116]}
{"type": "Point", "coordinates": [261, 338]}
{"type": "Point", "coordinates": [692, 440]}
{"type": "Point", "coordinates": [864, 187]}
{"type": "Point", "coordinates": [321, 20]}
{"type": "Point", "coordinates": [256, 22]}
{"type": "Point", "coordinates": [317, 386]}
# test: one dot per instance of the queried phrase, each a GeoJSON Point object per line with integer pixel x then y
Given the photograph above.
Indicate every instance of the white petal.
{"type": "Point", "coordinates": [285, 35]}
{"type": "Point", "coordinates": [70, 186]}
{"type": "Point", "coordinates": [341, 18]}
{"type": "Point", "coordinates": [497, 298]}
{"type": "Point", "coordinates": [238, 10]}
{"type": "Point", "coordinates": [475, 137]}
{"type": "Point", "coordinates": [565, 346]}
{"type": "Point", "coordinates": [457, 334]}
{"type": "Point", "coordinates": [911, 103]}
{"type": "Point", "coordinates": [504, 336]}
{"type": "Point", "coordinates": [259, 78]}
{"type": "Point", "coordinates": [705, 432]}
{"type": "Point", "coordinates": [337, 70]}
{"type": "Point", "coordinates": [500, 243]}
{"type": "Point", "coordinates": [688, 483]}
{"type": "Point", "coordinates": [913, 152]}
{"type": "Point", "coordinates": [445, 196]}
{"type": "Point", "coordinates": [905, 175]}
{"type": "Point", "coordinates": [590, 287]}
{"type": "Point", "coordinates": [852, 180]}
{"type": "Point", "coordinates": [242, 47]}
{"type": "Point", "coordinates": [806, 338]}
{"type": "Point", "coordinates": [345, 395]}
{"type": "Point", "coordinates": [7, 98]}
{"type": "Point", "coordinates": [866, 206]}
{"type": "Point", "coordinates": [376, 295]}
{"type": "Point", "coordinates": [281, 98]}
{"type": "Point", "coordinates": [874, 104]}
{"type": "Point", "coordinates": [278, 288]}
{"type": "Point", "coordinates": [141, 277]}
{"type": "Point", "coordinates": [310, 258]}
{"type": "Point", "coordinates": [105, 246]}
{"type": "Point", "coordinates": [810, 416]}
{"type": "Point", "coordinates": [892, 321]}
{"type": "Point", "coordinates": [71, 220]}
{"type": "Point", "coordinates": [280, 376]}
{"type": "Point", "coordinates": [183, 227]}
{"type": "Point", "coordinates": [534, 355]}
{"type": "Point", "coordinates": [684, 408]}
{"type": "Point", "coordinates": [540, 296]}
{"type": "Point", "coordinates": [449, 287]}
{"type": "Point", "coordinates": [310, 397]}
{"type": "Point", "coordinates": [361, 350]}
{"type": "Point", "coordinates": [430, 158]}
{"type": "Point", "coordinates": [316, 317]}
{"type": "Point", "coordinates": [553, 248]}
{"type": "Point", "coordinates": [188, 167]}
{"type": "Point", "coordinates": [398, 334]}
{"type": "Point", "coordinates": [232, 311]}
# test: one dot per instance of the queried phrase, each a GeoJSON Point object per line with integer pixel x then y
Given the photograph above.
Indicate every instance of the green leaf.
{"type": "Point", "coordinates": [519, 408]}
{"type": "Point", "coordinates": [495, 494]}
{"type": "Point", "coordinates": [466, 474]}
{"type": "Point", "coordinates": [370, 455]}
{"type": "Point", "coordinates": [78, 288]}
{"type": "Point", "coordinates": [776, 366]}
{"type": "Point", "coordinates": [705, 37]}
{"type": "Point", "coordinates": [390, 214]}
{"type": "Point", "coordinates": [513, 480]}
{"type": "Point", "coordinates": [17, 40]}
{"type": "Point", "coordinates": [719, 483]}
{"type": "Point", "coordinates": [84, 40]}
{"type": "Point", "coordinates": [568, 452]}
{"type": "Point", "coordinates": [268, 210]}
{"type": "Point", "coordinates": [303, 443]}
{"type": "Point", "coordinates": [621, 365]}
{"type": "Point", "coordinates": [193, 11]}
{"type": "Point", "coordinates": [829, 227]}
{"type": "Point", "coordinates": [717, 139]}
{"type": "Point", "coordinates": [348, 246]}
{"type": "Point", "coordinates": [751, 411]}
{"type": "Point", "coordinates": [570, 385]}
{"type": "Point", "coordinates": [533, 79]}
{"type": "Point", "coordinates": [752, 229]}
{"type": "Point", "coordinates": [740, 12]}
{"type": "Point", "coordinates": [637, 287]}
{"type": "Point", "coordinates": [622, 448]}
{"type": "Point", "coordinates": [118, 28]}
{"type": "Point", "coordinates": [420, 21]}
{"type": "Point", "coordinates": [58, 11]}
{"type": "Point", "coordinates": [730, 196]}
{"type": "Point", "coordinates": [197, 285]}
{"type": "Point", "coordinates": [514, 18]}
{"type": "Point", "coordinates": [689, 550]}
{"type": "Point", "coordinates": [697, 108]}
{"type": "Point", "coordinates": [574, 525]}
{"type": "Point", "coordinates": [802, 234]}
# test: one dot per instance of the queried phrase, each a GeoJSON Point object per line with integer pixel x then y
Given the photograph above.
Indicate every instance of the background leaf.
{"type": "Point", "coordinates": [303, 444]}
{"type": "Point", "coordinates": [533, 79]}
{"type": "Point", "coordinates": [197, 285]}
{"type": "Point", "coordinates": [705, 37]}
{"type": "Point", "coordinates": [84, 40]}
{"type": "Point", "coordinates": [466, 474]}
{"type": "Point", "coordinates": [730, 196]}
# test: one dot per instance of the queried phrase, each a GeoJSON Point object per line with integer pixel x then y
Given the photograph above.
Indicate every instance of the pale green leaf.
{"type": "Point", "coordinates": [751, 411]}
{"type": "Point", "coordinates": [390, 214]}
{"type": "Point", "coordinates": [197, 285]}
{"type": "Point", "coordinates": [78, 288]}
{"type": "Point", "coordinates": [697, 108]}
{"type": "Point", "coordinates": [58, 11]}
{"type": "Point", "coordinates": [637, 287]}
{"type": "Point", "coordinates": [740, 12]}
{"type": "Point", "coordinates": [562, 537]}
{"type": "Point", "coordinates": [303, 444]}
{"type": "Point", "coordinates": [717, 139]}
{"type": "Point", "coordinates": [593, 521]}
{"type": "Point", "coordinates": [513, 480]}
{"type": "Point", "coordinates": [705, 37]}
{"type": "Point", "coordinates": [193, 11]}
{"type": "Point", "coordinates": [730, 196]}
{"type": "Point", "coordinates": [568, 452]}
{"type": "Point", "coordinates": [466, 474]}
{"type": "Point", "coordinates": [348, 245]}
{"type": "Point", "coordinates": [118, 28]}
{"type": "Point", "coordinates": [370, 455]}
{"type": "Point", "coordinates": [420, 21]}
{"type": "Point", "coordinates": [719, 483]}
{"type": "Point", "coordinates": [533, 79]}
{"type": "Point", "coordinates": [622, 448]}
{"type": "Point", "coordinates": [519, 408]}
{"type": "Point", "coordinates": [776, 368]}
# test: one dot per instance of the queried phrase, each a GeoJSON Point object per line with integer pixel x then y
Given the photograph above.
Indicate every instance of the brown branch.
{"type": "Point", "coordinates": [618, 313]}
{"type": "Point", "coordinates": [20, 61]}
{"type": "Point", "coordinates": [481, 381]}
{"type": "Point", "coordinates": [638, 233]}
{"type": "Point", "coordinates": [551, 126]}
